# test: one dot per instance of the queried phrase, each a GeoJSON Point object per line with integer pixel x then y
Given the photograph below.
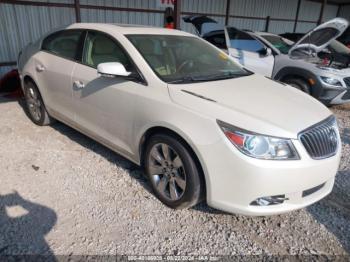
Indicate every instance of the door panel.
{"type": "Point", "coordinates": [54, 67]}
{"type": "Point", "coordinates": [54, 76]}
{"type": "Point", "coordinates": [246, 50]}
{"type": "Point", "coordinates": [104, 106]}
{"type": "Point", "coordinates": [254, 61]}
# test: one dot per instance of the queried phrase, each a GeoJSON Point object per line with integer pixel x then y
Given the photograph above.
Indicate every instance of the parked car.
{"type": "Point", "coordinates": [201, 125]}
{"type": "Point", "coordinates": [296, 64]}
{"type": "Point", "coordinates": [335, 52]}
{"type": "Point", "coordinates": [345, 38]}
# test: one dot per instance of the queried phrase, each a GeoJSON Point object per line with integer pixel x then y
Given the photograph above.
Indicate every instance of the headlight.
{"type": "Point", "coordinates": [260, 146]}
{"type": "Point", "coordinates": [331, 81]}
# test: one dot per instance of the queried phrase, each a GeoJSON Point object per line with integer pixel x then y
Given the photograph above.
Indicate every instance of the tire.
{"type": "Point", "coordinates": [172, 171]}
{"type": "Point", "coordinates": [35, 106]}
{"type": "Point", "coordinates": [300, 84]}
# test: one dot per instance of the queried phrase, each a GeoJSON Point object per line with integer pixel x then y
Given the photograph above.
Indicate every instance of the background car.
{"type": "Point", "coordinates": [202, 126]}
{"type": "Point", "coordinates": [344, 38]}
{"type": "Point", "coordinates": [296, 64]}
{"type": "Point", "coordinates": [334, 52]}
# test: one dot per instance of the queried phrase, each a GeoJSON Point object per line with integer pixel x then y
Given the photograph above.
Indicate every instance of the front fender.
{"type": "Point", "coordinates": [286, 72]}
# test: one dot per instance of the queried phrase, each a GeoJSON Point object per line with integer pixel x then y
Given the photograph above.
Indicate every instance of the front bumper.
{"type": "Point", "coordinates": [234, 180]}
{"type": "Point", "coordinates": [335, 96]}
{"type": "Point", "coordinates": [331, 95]}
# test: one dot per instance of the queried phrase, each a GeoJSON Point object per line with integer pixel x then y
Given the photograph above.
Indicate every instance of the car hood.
{"type": "Point", "coordinates": [321, 36]}
{"type": "Point", "coordinates": [254, 103]}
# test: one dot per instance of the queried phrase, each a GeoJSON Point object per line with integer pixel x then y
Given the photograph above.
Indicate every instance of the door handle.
{"type": "Point", "coordinates": [40, 68]}
{"type": "Point", "coordinates": [78, 85]}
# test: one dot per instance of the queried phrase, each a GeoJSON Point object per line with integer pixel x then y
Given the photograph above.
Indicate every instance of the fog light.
{"type": "Point", "coordinates": [269, 201]}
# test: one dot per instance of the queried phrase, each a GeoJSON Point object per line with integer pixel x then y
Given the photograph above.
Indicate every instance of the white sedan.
{"type": "Point", "coordinates": [203, 127]}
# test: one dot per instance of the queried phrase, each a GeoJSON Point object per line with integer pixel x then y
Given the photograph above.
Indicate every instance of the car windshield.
{"type": "Point", "coordinates": [179, 59]}
{"type": "Point", "coordinates": [280, 43]}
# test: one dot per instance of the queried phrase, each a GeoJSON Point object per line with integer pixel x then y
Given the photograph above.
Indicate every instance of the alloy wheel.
{"type": "Point", "coordinates": [34, 103]}
{"type": "Point", "coordinates": [167, 171]}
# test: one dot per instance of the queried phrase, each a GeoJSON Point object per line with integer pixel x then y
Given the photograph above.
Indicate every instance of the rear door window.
{"type": "Point", "coordinates": [218, 40]}
{"type": "Point", "coordinates": [64, 43]}
{"type": "Point", "coordinates": [242, 41]}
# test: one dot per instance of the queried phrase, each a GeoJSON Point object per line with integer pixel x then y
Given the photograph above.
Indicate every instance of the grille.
{"type": "Point", "coordinates": [321, 140]}
{"type": "Point", "coordinates": [347, 81]}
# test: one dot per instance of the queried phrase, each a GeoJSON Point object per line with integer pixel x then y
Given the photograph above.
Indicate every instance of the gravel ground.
{"type": "Point", "coordinates": [62, 193]}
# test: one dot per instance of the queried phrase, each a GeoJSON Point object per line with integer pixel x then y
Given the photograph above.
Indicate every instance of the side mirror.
{"type": "Point", "coordinates": [264, 51]}
{"type": "Point", "coordinates": [112, 69]}
{"type": "Point", "coordinates": [269, 51]}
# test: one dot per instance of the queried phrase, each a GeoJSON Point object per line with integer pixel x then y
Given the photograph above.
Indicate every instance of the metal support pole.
{"type": "Point", "coordinates": [297, 16]}
{"type": "Point", "coordinates": [267, 25]}
{"type": "Point", "coordinates": [177, 13]}
{"type": "Point", "coordinates": [77, 11]}
{"type": "Point", "coordinates": [324, 3]}
{"type": "Point", "coordinates": [228, 3]}
{"type": "Point", "coordinates": [339, 9]}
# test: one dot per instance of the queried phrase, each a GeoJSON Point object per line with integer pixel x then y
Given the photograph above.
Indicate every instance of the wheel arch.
{"type": "Point", "coordinates": [29, 77]}
{"type": "Point", "coordinates": [193, 151]}
{"type": "Point", "coordinates": [300, 73]}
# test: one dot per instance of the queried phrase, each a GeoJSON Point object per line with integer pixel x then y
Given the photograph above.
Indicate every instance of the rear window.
{"type": "Point", "coordinates": [242, 41]}
{"type": "Point", "coordinates": [63, 43]}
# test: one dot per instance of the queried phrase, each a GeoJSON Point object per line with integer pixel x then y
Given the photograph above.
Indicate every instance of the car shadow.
{"type": "Point", "coordinates": [5, 99]}
{"type": "Point", "coordinates": [135, 171]}
{"type": "Point", "coordinates": [23, 226]}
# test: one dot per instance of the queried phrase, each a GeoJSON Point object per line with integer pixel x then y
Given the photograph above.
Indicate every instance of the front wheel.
{"type": "Point", "coordinates": [300, 84]}
{"type": "Point", "coordinates": [172, 171]}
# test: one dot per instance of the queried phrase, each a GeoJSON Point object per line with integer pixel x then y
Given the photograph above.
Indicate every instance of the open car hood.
{"type": "Point", "coordinates": [321, 36]}
{"type": "Point", "coordinates": [203, 24]}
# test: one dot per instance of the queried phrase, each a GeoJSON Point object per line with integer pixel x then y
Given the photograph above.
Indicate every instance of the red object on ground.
{"type": "Point", "coordinates": [10, 85]}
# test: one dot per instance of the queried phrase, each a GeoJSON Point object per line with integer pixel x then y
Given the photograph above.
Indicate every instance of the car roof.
{"type": "Point", "coordinates": [128, 29]}
{"type": "Point", "coordinates": [264, 33]}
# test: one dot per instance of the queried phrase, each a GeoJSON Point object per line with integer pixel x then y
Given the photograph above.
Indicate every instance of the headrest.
{"type": "Point", "coordinates": [103, 45]}
{"type": "Point", "coordinates": [147, 47]}
{"type": "Point", "coordinates": [66, 45]}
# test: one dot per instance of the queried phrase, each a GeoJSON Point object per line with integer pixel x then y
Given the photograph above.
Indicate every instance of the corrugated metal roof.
{"type": "Point", "coordinates": [345, 12]}
{"type": "Point", "coordinates": [21, 24]}
{"type": "Point", "coordinates": [204, 6]}
{"type": "Point", "coordinates": [309, 10]}
{"type": "Point", "coordinates": [263, 8]}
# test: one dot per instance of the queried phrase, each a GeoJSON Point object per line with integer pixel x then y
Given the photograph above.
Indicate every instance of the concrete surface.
{"type": "Point", "coordinates": [62, 193]}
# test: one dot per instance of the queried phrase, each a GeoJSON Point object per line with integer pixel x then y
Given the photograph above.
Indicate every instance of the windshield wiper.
{"type": "Point", "coordinates": [192, 79]}
{"type": "Point", "coordinates": [222, 76]}
{"type": "Point", "coordinates": [185, 79]}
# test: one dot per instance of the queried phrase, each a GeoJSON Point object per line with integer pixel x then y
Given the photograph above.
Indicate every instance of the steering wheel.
{"type": "Point", "coordinates": [183, 65]}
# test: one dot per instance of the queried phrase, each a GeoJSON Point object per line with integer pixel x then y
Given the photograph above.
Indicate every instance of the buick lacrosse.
{"type": "Point", "coordinates": [203, 127]}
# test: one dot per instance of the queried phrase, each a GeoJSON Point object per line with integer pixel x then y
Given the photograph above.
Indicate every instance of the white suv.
{"type": "Point", "coordinates": [297, 64]}
{"type": "Point", "coordinates": [201, 125]}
